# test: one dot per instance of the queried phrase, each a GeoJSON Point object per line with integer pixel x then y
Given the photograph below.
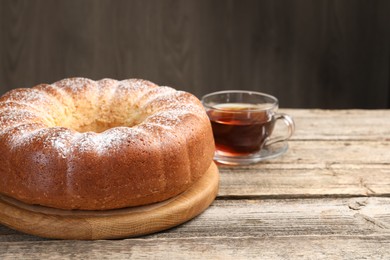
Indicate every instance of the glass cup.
{"type": "Point", "coordinates": [243, 123]}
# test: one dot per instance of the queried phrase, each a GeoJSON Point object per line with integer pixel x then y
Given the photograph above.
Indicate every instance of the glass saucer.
{"type": "Point", "coordinates": [268, 152]}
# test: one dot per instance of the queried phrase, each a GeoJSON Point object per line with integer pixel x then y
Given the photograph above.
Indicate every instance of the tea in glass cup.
{"type": "Point", "coordinates": [243, 124]}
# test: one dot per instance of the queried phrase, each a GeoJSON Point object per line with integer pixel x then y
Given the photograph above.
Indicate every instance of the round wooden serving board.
{"type": "Point", "coordinates": [110, 224]}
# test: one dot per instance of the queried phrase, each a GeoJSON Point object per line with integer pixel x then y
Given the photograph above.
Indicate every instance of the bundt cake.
{"type": "Point", "coordinates": [97, 145]}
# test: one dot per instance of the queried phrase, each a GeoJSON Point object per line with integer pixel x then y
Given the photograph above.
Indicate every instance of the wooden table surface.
{"type": "Point", "coordinates": [327, 197]}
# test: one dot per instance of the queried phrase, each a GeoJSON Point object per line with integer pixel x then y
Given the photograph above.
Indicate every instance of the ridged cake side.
{"type": "Point", "coordinates": [95, 145]}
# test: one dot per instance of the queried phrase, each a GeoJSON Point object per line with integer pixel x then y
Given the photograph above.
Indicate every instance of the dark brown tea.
{"type": "Point", "coordinates": [239, 129]}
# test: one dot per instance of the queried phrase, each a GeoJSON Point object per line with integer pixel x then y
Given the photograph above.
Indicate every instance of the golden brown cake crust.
{"type": "Point", "coordinates": [96, 145]}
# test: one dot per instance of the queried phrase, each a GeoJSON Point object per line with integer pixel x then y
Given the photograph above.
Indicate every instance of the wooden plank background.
{"type": "Point", "coordinates": [325, 53]}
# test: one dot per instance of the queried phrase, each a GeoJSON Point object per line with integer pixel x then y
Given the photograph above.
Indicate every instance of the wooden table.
{"type": "Point", "coordinates": [327, 197]}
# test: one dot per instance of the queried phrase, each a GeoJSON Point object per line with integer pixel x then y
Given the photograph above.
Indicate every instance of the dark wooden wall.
{"type": "Point", "coordinates": [309, 53]}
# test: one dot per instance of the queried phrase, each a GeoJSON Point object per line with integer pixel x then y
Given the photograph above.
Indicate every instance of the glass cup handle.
{"type": "Point", "coordinates": [289, 122]}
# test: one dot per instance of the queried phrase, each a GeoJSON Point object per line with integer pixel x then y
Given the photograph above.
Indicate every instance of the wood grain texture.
{"type": "Point", "coordinates": [341, 125]}
{"type": "Point", "coordinates": [339, 153]}
{"type": "Point", "coordinates": [110, 224]}
{"type": "Point", "coordinates": [278, 217]}
{"type": "Point", "coordinates": [305, 181]}
{"type": "Point", "coordinates": [327, 53]}
{"type": "Point", "coordinates": [312, 247]}
{"type": "Point", "coordinates": [328, 197]}
{"type": "Point", "coordinates": [312, 228]}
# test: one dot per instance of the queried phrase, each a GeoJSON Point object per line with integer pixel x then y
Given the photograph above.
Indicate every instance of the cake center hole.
{"type": "Point", "coordinates": [89, 122]}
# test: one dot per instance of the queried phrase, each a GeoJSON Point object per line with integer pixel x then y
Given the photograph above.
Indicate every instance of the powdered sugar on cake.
{"type": "Point", "coordinates": [97, 145]}
{"type": "Point", "coordinates": [164, 107]}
